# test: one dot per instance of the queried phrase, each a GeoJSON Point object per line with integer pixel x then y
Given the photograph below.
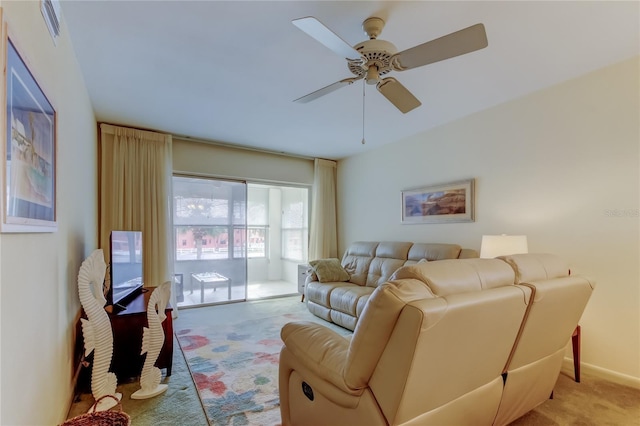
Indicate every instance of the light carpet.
{"type": "Point", "coordinates": [235, 367]}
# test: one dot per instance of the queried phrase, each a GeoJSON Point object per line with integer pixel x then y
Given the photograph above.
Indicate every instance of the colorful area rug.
{"type": "Point", "coordinates": [235, 368]}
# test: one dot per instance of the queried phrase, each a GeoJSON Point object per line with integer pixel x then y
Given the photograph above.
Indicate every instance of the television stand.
{"type": "Point", "coordinates": [127, 325]}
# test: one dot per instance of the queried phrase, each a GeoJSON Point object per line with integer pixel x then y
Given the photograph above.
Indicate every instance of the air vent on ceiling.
{"type": "Point", "coordinates": [52, 16]}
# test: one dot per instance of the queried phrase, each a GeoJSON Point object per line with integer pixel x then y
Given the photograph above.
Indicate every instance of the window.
{"type": "Point", "coordinates": [206, 212]}
{"type": "Point", "coordinates": [257, 231]}
{"type": "Point", "coordinates": [295, 228]}
{"type": "Point", "coordinates": [277, 215]}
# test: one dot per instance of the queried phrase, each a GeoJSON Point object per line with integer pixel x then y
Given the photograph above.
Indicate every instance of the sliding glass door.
{"type": "Point", "coordinates": [236, 241]}
{"type": "Point", "coordinates": [210, 233]}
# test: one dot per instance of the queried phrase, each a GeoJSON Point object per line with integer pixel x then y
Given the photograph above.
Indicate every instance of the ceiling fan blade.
{"type": "Point", "coordinates": [458, 43]}
{"type": "Point", "coordinates": [326, 90]}
{"type": "Point", "coordinates": [324, 35]}
{"type": "Point", "coordinates": [397, 94]}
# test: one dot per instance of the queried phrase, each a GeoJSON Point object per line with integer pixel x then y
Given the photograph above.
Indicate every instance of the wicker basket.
{"type": "Point", "coordinates": [101, 418]}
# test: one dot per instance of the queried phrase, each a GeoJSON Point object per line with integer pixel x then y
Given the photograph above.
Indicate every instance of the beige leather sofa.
{"type": "Point", "coordinates": [454, 342]}
{"type": "Point", "coordinates": [369, 264]}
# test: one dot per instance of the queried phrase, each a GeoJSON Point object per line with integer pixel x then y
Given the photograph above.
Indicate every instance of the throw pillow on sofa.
{"type": "Point", "coordinates": [329, 270]}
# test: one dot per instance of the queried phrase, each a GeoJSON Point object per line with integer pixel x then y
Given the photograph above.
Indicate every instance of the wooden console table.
{"type": "Point", "coordinates": [127, 328]}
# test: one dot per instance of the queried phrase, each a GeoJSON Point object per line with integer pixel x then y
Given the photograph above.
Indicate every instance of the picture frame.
{"type": "Point", "coordinates": [28, 171]}
{"type": "Point", "coordinates": [445, 203]}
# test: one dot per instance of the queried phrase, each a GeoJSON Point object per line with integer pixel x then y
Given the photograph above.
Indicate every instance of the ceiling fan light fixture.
{"type": "Point", "coordinates": [372, 75]}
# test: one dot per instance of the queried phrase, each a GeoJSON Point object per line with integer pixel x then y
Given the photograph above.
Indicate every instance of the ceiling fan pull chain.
{"type": "Point", "coordinates": [363, 87]}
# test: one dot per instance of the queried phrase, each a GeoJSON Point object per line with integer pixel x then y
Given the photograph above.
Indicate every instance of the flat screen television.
{"type": "Point", "coordinates": [125, 266]}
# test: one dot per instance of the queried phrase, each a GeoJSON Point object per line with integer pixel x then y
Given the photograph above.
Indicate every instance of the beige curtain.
{"type": "Point", "coordinates": [323, 238]}
{"type": "Point", "coordinates": [135, 194]}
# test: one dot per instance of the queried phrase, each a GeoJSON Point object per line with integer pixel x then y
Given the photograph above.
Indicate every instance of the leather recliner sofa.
{"type": "Point", "coordinates": [459, 342]}
{"type": "Point", "coordinates": [369, 264]}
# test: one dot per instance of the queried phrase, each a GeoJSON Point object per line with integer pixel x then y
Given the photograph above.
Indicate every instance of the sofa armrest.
{"type": "Point", "coordinates": [319, 349]}
{"type": "Point", "coordinates": [311, 276]}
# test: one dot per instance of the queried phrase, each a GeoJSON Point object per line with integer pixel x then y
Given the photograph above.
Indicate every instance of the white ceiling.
{"type": "Point", "coordinates": [228, 71]}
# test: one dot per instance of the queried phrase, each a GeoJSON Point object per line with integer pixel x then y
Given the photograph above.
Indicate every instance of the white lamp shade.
{"type": "Point", "coordinates": [502, 245]}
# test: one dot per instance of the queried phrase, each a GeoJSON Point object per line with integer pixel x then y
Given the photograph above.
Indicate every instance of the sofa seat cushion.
{"type": "Point", "coordinates": [319, 310]}
{"type": "Point", "coordinates": [347, 299]}
{"type": "Point", "coordinates": [343, 320]}
{"type": "Point", "coordinates": [320, 292]}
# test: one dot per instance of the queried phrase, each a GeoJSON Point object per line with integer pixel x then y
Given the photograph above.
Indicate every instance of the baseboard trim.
{"type": "Point", "coordinates": [603, 373]}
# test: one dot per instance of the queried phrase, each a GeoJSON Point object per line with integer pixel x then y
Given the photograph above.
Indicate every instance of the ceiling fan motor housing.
{"type": "Point", "coordinates": [378, 53]}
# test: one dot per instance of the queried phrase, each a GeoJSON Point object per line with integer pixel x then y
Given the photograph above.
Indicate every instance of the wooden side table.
{"type": "Point", "coordinates": [575, 342]}
{"type": "Point", "coordinates": [302, 278]}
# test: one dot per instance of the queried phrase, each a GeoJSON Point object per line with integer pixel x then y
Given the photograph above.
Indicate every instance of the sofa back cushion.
{"type": "Point", "coordinates": [433, 251]}
{"type": "Point", "coordinates": [467, 253]}
{"type": "Point", "coordinates": [536, 266]}
{"type": "Point", "coordinates": [388, 258]}
{"type": "Point", "coordinates": [372, 263]}
{"type": "Point", "coordinates": [356, 260]}
{"type": "Point", "coordinates": [460, 275]}
{"type": "Point", "coordinates": [375, 326]}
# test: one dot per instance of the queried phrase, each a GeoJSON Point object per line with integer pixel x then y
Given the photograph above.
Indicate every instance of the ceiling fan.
{"type": "Point", "coordinates": [374, 58]}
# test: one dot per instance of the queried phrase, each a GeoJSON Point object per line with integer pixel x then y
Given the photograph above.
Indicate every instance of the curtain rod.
{"type": "Point", "coordinates": [212, 142]}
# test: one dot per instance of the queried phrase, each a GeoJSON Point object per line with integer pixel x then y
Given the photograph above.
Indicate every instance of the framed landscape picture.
{"type": "Point", "coordinates": [450, 202]}
{"type": "Point", "coordinates": [29, 150]}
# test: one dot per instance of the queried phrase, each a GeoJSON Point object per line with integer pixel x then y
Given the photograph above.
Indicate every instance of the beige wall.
{"type": "Point", "coordinates": [219, 161]}
{"type": "Point", "coordinates": [560, 165]}
{"type": "Point", "coordinates": [38, 272]}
